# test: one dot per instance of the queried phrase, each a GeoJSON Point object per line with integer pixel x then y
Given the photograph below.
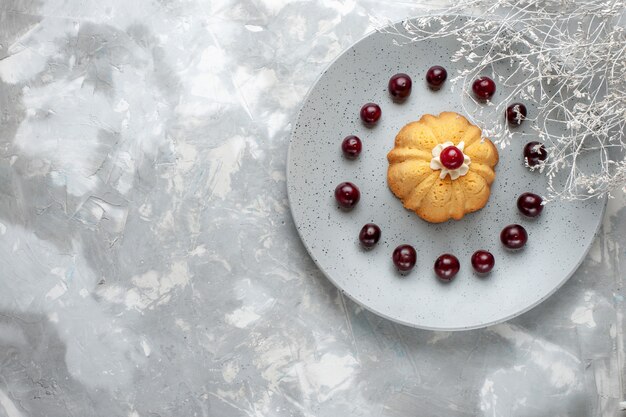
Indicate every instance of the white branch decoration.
{"type": "Point", "coordinates": [572, 55]}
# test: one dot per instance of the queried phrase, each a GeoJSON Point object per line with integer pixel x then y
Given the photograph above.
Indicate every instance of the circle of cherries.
{"type": "Point", "coordinates": [404, 257]}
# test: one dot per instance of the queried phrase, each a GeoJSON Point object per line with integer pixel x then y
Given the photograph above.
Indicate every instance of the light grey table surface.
{"type": "Point", "coordinates": [149, 265]}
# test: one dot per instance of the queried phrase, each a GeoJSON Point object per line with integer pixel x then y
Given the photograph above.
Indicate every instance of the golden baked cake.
{"type": "Point", "coordinates": [441, 167]}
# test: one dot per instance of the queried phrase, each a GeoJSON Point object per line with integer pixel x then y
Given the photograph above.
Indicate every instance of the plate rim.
{"type": "Point", "coordinates": [328, 276]}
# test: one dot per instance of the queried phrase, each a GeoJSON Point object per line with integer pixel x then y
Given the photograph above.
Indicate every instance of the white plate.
{"type": "Point", "coordinates": [558, 239]}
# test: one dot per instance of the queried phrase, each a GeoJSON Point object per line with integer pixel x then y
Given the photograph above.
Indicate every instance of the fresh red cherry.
{"type": "Point", "coordinates": [535, 153]}
{"type": "Point", "coordinates": [514, 236]}
{"type": "Point", "coordinates": [370, 113]}
{"type": "Point", "coordinates": [447, 266]}
{"type": "Point", "coordinates": [451, 157]}
{"type": "Point", "coordinates": [404, 257]}
{"type": "Point", "coordinates": [347, 195]}
{"type": "Point", "coordinates": [484, 88]}
{"type": "Point", "coordinates": [436, 76]}
{"type": "Point", "coordinates": [400, 86]}
{"type": "Point", "coordinates": [516, 113]}
{"type": "Point", "coordinates": [369, 235]}
{"type": "Point", "coordinates": [483, 261]}
{"type": "Point", "coordinates": [351, 147]}
{"type": "Point", "coordinates": [529, 204]}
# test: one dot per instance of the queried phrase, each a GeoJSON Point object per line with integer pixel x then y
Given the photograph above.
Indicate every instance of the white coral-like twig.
{"type": "Point", "coordinates": [571, 58]}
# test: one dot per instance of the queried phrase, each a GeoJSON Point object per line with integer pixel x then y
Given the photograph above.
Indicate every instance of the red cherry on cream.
{"type": "Point", "coordinates": [451, 157]}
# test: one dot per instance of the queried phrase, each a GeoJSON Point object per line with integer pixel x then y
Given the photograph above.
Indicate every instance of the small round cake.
{"type": "Point", "coordinates": [441, 167]}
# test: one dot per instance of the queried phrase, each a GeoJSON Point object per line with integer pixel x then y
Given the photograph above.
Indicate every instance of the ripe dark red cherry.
{"type": "Point", "coordinates": [484, 88]}
{"type": "Point", "coordinates": [535, 153]}
{"type": "Point", "coordinates": [516, 113]}
{"type": "Point", "coordinates": [369, 235]}
{"type": "Point", "coordinates": [447, 266]}
{"type": "Point", "coordinates": [370, 113]}
{"type": "Point", "coordinates": [347, 195]}
{"type": "Point", "coordinates": [351, 147]}
{"type": "Point", "coordinates": [483, 261]}
{"type": "Point", "coordinates": [529, 204]}
{"type": "Point", "coordinates": [404, 257]}
{"type": "Point", "coordinates": [400, 86]}
{"type": "Point", "coordinates": [514, 236]}
{"type": "Point", "coordinates": [451, 157]}
{"type": "Point", "coordinates": [436, 76]}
